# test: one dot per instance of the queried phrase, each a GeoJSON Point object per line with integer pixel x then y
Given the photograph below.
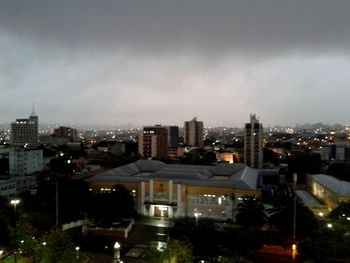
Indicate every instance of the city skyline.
{"type": "Point", "coordinates": [150, 62]}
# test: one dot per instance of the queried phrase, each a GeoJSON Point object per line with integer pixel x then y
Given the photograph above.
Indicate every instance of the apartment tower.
{"type": "Point", "coordinates": [193, 133]}
{"type": "Point", "coordinates": [153, 143]}
{"type": "Point", "coordinates": [24, 132]}
{"type": "Point", "coordinates": [253, 143]}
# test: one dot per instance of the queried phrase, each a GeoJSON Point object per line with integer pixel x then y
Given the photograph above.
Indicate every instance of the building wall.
{"type": "Point", "coordinates": [16, 185]}
{"type": "Point", "coordinates": [23, 162]}
{"type": "Point", "coordinates": [193, 133]}
{"type": "Point", "coordinates": [24, 132]}
{"type": "Point", "coordinates": [253, 143]}
{"type": "Point", "coordinates": [169, 199]}
{"type": "Point", "coordinates": [153, 143]}
{"type": "Point", "coordinates": [328, 197]}
{"type": "Point", "coordinates": [7, 188]}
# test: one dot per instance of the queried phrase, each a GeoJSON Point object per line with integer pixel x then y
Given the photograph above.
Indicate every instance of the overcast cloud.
{"type": "Point", "coordinates": [147, 62]}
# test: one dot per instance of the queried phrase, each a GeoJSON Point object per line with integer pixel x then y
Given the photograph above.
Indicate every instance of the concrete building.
{"type": "Point", "coordinates": [66, 132]}
{"type": "Point", "coordinates": [15, 185]}
{"type": "Point", "coordinates": [312, 203]}
{"type": "Point", "coordinates": [24, 132]}
{"type": "Point", "coordinates": [169, 190]}
{"type": "Point", "coordinates": [24, 162]}
{"type": "Point", "coordinates": [193, 133]}
{"type": "Point", "coordinates": [328, 189]}
{"type": "Point", "coordinates": [253, 143]}
{"type": "Point", "coordinates": [153, 143]}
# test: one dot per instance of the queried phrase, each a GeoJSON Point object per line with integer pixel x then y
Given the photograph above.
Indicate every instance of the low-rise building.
{"type": "Point", "coordinates": [173, 190]}
{"type": "Point", "coordinates": [24, 162]}
{"type": "Point", "coordinates": [328, 189]}
{"type": "Point", "coordinates": [13, 186]}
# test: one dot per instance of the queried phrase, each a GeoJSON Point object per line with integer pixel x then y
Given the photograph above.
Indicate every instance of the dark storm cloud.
{"type": "Point", "coordinates": [165, 61]}
{"type": "Point", "coordinates": [267, 26]}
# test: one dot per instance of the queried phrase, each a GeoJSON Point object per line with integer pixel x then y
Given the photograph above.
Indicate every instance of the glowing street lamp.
{"type": "Point", "coordinates": [77, 250]}
{"type": "Point", "coordinates": [116, 258]}
{"type": "Point", "coordinates": [15, 202]}
{"type": "Point", "coordinates": [294, 252]}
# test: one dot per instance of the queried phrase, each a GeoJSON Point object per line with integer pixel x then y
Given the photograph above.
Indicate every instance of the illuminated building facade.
{"type": "Point", "coordinates": [328, 189]}
{"type": "Point", "coordinates": [172, 190]}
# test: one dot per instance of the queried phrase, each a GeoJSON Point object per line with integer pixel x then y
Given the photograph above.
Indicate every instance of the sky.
{"type": "Point", "coordinates": [164, 62]}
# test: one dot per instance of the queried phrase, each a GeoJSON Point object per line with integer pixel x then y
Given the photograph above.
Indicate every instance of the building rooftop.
{"type": "Point", "coordinates": [308, 199]}
{"type": "Point", "coordinates": [337, 186]}
{"type": "Point", "coordinates": [238, 176]}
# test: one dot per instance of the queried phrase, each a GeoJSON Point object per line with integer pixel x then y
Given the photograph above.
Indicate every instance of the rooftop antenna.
{"type": "Point", "coordinates": [33, 109]}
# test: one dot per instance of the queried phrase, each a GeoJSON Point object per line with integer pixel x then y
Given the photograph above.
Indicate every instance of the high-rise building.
{"type": "Point", "coordinates": [193, 133]}
{"type": "Point", "coordinates": [24, 132]}
{"type": "Point", "coordinates": [153, 143]}
{"type": "Point", "coordinates": [66, 132]}
{"type": "Point", "coordinates": [173, 141]}
{"type": "Point", "coordinates": [253, 143]}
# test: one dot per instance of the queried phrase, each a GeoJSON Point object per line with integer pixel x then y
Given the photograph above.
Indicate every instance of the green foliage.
{"type": "Point", "coordinates": [59, 248]}
{"type": "Point", "coordinates": [5, 219]}
{"type": "Point", "coordinates": [328, 245]}
{"type": "Point", "coordinates": [281, 216]}
{"type": "Point", "coordinates": [250, 213]}
{"type": "Point", "coordinates": [176, 251]}
{"type": "Point", "coordinates": [341, 212]}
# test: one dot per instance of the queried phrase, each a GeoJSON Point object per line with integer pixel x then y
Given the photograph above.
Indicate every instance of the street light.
{"type": "Point", "coordinates": [116, 257]}
{"type": "Point", "coordinates": [77, 249]}
{"type": "Point", "coordinates": [15, 202]}
{"type": "Point", "coordinates": [196, 215]}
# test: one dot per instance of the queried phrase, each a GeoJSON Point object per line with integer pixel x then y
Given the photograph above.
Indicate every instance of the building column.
{"type": "Point", "coordinates": [171, 191]}
{"type": "Point", "coordinates": [151, 182]}
{"type": "Point", "coordinates": [179, 210]}
{"type": "Point", "coordinates": [142, 205]}
{"type": "Point", "coordinates": [178, 194]}
{"type": "Point", "coordinates": [151, 210]}
{"type": "Point", "coordinates": [170, 212]}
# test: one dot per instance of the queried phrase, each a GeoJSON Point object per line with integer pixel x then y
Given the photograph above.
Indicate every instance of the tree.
{"type": "Point", "coordinates": [176, 251]}
{"type": "Point", "coordinates": [27, 239]}
{"type": "Point", "coordinates": [5, 212]}
{"type": "Point", "coordinates": [59, 248]}
{"type": "Point", "coordinates": [108, 207]}
{"type": "Point", "coordinates": [282, 216]}
{"type": "Point", "coordinates": [341, 212]}
{"type": "Point", "coordinates": [250, 213]}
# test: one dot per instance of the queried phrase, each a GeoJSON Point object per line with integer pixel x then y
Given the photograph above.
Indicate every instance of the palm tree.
{"type": "Point", "coordinates": [251, 213]}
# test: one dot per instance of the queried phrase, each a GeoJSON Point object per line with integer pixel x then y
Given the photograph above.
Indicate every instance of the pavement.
{"type": "Point", "coordinates": [145, 231]}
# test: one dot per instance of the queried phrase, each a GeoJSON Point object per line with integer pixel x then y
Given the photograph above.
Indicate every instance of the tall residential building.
{"type": "Point", "coordinates": [253, 143]}
{"type": "Point", "coordinates": [153, 143]}
{"type": "Point", "coordinates": [66, 132]}
{"type": "Point", "coordinates": [24, 132]}
{"type": "Point", "coordinates": [193, 133]}
{"type": "Point", "coordinates": [173, 141]}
